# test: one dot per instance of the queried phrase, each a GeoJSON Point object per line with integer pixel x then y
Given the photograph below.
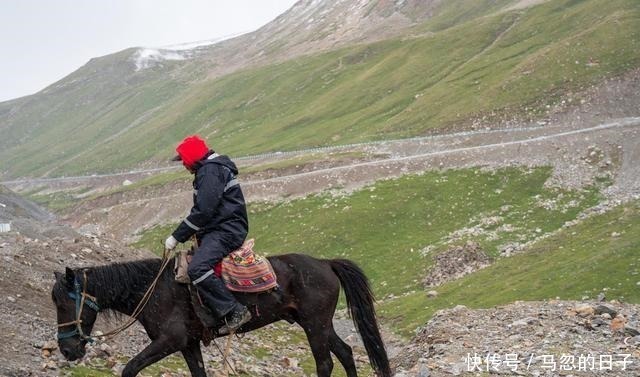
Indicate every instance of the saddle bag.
{"type": "Point", "coordinates": [242, 270]}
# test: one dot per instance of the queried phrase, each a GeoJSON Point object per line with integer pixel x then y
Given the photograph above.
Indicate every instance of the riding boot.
{"type": "Point", "coordinates": [238, 317]}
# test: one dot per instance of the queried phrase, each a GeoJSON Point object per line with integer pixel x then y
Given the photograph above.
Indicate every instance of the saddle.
{"type": "Point", "coordinates": [242, 271]}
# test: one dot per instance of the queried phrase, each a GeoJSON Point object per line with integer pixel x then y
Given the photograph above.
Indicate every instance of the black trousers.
{"type": "Point", "coordinates": [212, 248]}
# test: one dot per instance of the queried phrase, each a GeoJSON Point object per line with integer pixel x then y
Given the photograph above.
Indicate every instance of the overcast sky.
{"type": "Point", "coordinates": [44, 40]}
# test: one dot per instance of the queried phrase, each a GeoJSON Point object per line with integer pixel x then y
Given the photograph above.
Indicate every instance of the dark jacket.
{"type": "Point", "coordinates": [218, 203]}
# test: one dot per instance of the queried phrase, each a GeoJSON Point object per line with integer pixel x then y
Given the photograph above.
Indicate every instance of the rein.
{"type": "Point", "coordinates": [82, 298]}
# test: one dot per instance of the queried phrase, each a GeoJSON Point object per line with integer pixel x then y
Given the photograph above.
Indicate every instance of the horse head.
{"type": "Point", "coordinates": [76, 309]}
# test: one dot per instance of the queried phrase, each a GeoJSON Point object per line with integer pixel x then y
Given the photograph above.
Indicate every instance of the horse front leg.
{"type": "Point", "coordinates": [156, 351]}
{"type": "Point", "coordinates": [193, 357]}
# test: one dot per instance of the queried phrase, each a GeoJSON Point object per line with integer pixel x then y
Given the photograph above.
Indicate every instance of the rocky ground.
{"type": "Point", "coordinates": [555, 338]}
{"type": "Point", "coordinates": [27, 314]}
{"type": "Point", "coordinates": [456, 262]}
{"type": "Point", "coordinates": [277, 350]}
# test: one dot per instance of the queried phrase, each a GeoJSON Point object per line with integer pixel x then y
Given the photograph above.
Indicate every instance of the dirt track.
{"type": "Point", "coordinates": [569, 149]}
{"type": "Point", "coordinates": [559, 147]}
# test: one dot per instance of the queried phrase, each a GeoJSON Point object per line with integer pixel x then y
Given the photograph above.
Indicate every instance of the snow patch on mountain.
{"type": "Point", "coordinates": [147, 57]}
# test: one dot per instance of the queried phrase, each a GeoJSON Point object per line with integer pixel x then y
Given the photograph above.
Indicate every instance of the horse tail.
{"type": "Point", "coordinates": [360, 302]}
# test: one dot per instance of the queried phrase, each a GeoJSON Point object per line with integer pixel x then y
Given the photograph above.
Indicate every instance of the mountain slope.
{"type": "Point", "coordinates": [28, 218]}
{"type": "Point", "coordinates": [111, 96]}
{"type": "Point", "coordinates": [453, 63]}
{"type": "Point", "coordinates": [96, 104]}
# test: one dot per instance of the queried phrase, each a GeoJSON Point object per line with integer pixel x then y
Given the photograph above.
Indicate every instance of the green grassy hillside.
{"type": "Point", "coordinates": [469, 61]}
{"type": "Point", "coordinates": [599, 255]}
{"type": "Point", "coordinates": [399, 88]}
{"type": "Point", "coordinates": [386, 227]}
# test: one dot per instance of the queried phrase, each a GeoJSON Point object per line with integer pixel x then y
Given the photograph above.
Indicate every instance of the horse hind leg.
{"type": "Point", "coordinates": [318, 338]}
{"type": "Point", "coordinates": [344, 354]}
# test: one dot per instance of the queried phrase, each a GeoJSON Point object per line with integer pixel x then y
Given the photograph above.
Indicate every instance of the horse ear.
{"type": "Point", "coordinates": [57, 275]}
{"type": "Point", "coordinates": [70, 275]}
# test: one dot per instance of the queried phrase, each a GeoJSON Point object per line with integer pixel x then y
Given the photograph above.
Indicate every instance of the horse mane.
{"type": "Point", "coordinates": [121, 283]}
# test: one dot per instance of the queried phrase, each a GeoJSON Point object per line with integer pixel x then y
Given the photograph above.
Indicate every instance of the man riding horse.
{"type": "Point", "coordinates": [307, 295]}
{"type": "Point", "coordinates": [218, 219]}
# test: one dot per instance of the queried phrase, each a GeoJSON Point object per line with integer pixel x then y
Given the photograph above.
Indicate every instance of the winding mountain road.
{"type": "Point", "coordinates": [568, 149]}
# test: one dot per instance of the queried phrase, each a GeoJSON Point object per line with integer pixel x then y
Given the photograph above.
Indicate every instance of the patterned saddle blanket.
{"type": "Point", "coordinates": [245, 271]}
{"type": "Point", "coordinates": [242, 270]}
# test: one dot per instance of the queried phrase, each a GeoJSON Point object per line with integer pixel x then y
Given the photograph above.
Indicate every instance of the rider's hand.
{"type": "Point", "coordinates": [170, 243]}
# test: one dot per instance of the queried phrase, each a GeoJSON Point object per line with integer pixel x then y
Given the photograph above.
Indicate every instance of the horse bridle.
{"type": "Point", "coordinates": [81, 298]}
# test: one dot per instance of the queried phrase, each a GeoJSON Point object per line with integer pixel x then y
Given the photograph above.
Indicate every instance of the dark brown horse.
{"type": "Point", "coordinates": [307, 295]}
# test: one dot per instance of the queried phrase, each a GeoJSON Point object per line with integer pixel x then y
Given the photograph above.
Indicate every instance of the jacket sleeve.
{"type": "Point", "coordinates": [210, 183]}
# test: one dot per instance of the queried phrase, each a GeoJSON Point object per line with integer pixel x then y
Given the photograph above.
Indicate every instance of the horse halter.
{"type": "Point", "coordinates": [81, 298]}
